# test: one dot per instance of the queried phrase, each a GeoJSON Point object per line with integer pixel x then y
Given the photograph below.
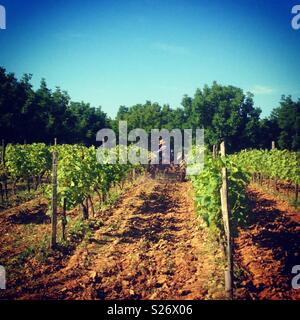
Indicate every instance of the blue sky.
{"type": "Point", "coordinates": [113, 53]}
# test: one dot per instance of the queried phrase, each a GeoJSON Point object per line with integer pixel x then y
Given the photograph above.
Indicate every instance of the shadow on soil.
{"type": "Point", "coordinates": [37, 216]}
{"type": "Point", "coordinates": [276, 232]}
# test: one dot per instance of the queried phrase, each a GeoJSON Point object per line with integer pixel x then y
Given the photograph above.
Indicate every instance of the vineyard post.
{"type": "Point", "coordinates": [227, 226]}
{"type": "Point", "coordinates": [273, 145]}
{"type": "Point", "coordinates": [54, 197]}
{"type": "Point", "coordinates": [214, 151]}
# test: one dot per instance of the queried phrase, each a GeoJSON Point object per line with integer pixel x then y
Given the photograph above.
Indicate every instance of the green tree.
{"type": "Point", "coordinates": [287, 116]}
{"type": "Point", "coordinates": [225, 112]}
{"type": "Point", "coordinates": [42, 115]}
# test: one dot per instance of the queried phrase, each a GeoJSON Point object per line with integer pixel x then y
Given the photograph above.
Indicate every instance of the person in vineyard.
{"type": "Point", "coordinates": [156, 162]}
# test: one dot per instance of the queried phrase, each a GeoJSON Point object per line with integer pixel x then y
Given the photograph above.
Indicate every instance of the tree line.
{"type": "Point", "coordinates": [225, 112]}
{"type": "Point", "coordinates": [28, 115]}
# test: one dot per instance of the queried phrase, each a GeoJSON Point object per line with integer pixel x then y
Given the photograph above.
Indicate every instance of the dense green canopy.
{"type": "Point", "coordinates": [225, 112]}
{"type": "Point", "coordinates": [42, 115]}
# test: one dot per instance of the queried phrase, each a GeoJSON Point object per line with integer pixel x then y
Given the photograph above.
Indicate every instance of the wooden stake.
{"type": "Point", "coordinates": [273, 145]}
{"type": "Point", "coordinates": [54, 198]}
{"type": "Point", "coordinates": [214, 151]}
{"type": "Point", "coordinates": [227, 227]}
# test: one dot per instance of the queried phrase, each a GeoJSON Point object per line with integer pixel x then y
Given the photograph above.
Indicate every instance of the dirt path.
{"type": "Point", "coordinates": [149, 248]}
{"type": "Point", "coordinates": [269, 248]}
